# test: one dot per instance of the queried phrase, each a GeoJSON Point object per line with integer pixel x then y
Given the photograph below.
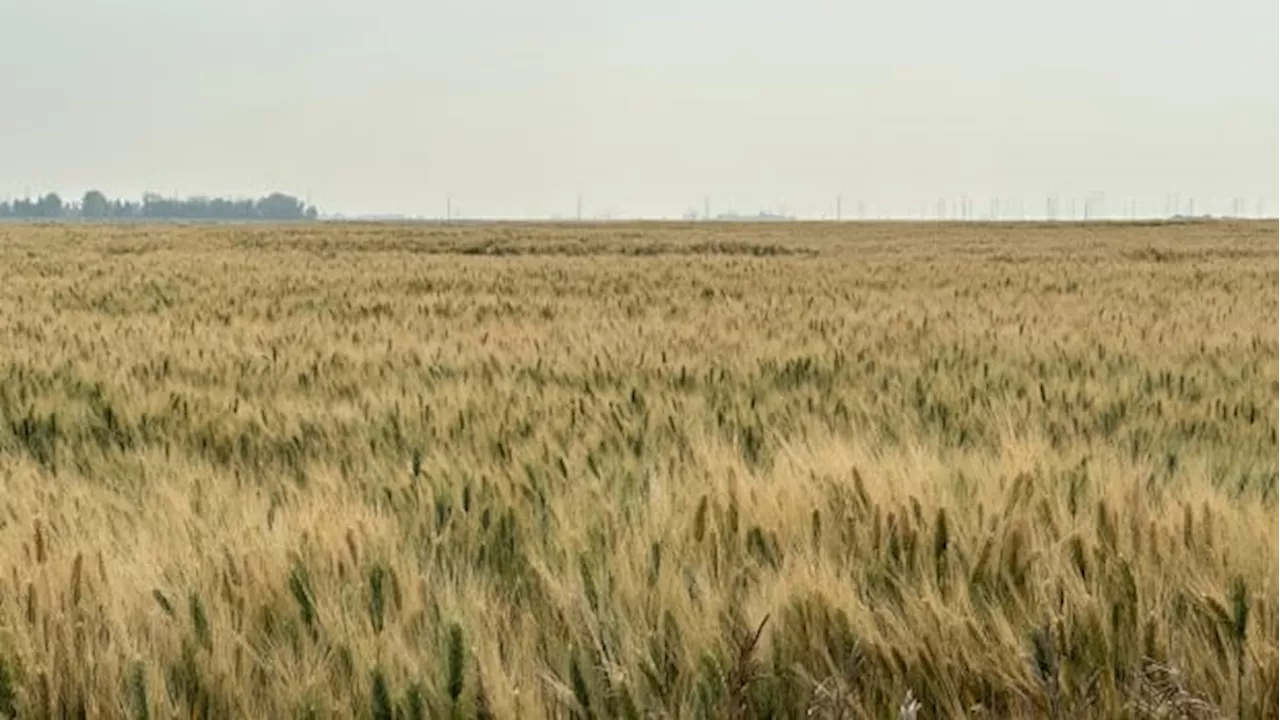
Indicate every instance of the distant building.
{"type": "Point", "coordinates": [758, 217]}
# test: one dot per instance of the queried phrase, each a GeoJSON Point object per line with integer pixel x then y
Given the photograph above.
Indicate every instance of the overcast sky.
{"type": "Point", "coordinates": [646, 107]}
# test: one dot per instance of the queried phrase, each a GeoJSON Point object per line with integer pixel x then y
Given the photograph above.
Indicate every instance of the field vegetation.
{"type": "Point", "coordinates": [639, 471]}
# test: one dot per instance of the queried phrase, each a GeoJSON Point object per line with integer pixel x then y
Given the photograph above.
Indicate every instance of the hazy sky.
{"type": "Point", "coordinates": [512, 108]}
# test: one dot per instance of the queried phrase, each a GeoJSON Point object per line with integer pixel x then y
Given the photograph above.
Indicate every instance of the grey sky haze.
{"type": "Point", "coordinates": [646, 107]}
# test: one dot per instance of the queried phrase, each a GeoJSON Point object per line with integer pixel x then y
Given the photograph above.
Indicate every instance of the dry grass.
{"type": "Point", "coordinates": [642, 471]}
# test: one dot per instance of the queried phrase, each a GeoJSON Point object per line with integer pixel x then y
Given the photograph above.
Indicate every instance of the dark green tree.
{"type": "Point", "coordinates": [94, 205]}
{"type": "Point", "coordinates": [278, 206]}
{"type": "Point", "coordinates": [49, 206]}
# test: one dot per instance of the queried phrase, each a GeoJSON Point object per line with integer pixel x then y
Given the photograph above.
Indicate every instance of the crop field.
{"type": "Point", "coordinates": [639, 471]}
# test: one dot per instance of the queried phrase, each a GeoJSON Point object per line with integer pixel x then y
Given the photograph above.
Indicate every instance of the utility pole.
{"type": "Point", "coordinates": [448, 210]}
{"type": "Point", "coordinates": [839, 203]}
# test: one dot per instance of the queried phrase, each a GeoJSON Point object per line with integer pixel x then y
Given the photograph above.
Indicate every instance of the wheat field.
{"type": "Point", "coordinates": [639, 471]}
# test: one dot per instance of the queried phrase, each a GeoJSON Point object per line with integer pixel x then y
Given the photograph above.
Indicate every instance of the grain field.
{"type": "Point", "coordinates": [639, 471]}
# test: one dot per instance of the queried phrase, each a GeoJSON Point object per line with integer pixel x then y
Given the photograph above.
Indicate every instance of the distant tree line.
{"type": "Point", "coordinates": [94, 205]}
